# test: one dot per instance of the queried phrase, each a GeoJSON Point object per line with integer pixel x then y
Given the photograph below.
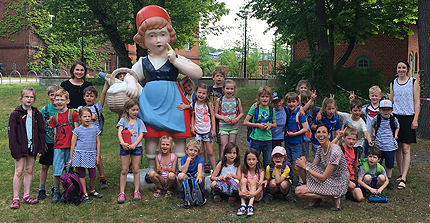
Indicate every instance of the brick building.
{"type": "Point", "coordinates": [379, 51]}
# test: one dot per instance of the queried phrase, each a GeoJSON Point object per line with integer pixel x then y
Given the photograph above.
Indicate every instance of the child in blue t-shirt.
{"type": "Point", "coordinates": [311, 111]}
{"type": "Point", "coordinates": [192, 163]}
{"type": "Point", "coordinates": [328, 117]}
{"type": "Point", "coordinates": [295, 128]}
{"type": "Point", "coordinates": [278, 133]}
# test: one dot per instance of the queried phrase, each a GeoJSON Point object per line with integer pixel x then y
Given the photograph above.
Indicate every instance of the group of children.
{"type": "Point", "coordinates": [55, 135]}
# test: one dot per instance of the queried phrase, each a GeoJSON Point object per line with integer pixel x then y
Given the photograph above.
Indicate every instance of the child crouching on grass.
{"type": "Point", "coordinates": [226, 175]}
{"type": "Point", "coordinates": [26, 132]}
{"type": "Point", "coordinates": [166, 164]}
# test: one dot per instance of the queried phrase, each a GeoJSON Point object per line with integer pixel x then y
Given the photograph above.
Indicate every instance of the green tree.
{"type": "Point", "coordinates": [114, 20]}
{"type": "Point", "coordinates": [233, 59]}
{"type": "Point", "coordinates": [206, 63]}
{"type": "Point", "coordinates": [324, 23]}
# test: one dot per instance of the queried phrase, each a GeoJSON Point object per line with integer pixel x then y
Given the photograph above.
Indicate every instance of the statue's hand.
{"type": "Point", "coordinates": [132, 88]}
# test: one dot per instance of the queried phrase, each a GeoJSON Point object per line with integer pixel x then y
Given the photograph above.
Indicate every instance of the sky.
{"type": "Point", "coordinates": [255, 29]}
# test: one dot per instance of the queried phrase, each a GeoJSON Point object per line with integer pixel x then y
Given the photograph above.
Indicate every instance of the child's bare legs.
{"type": "Point", "coordinates": [125, 161]}
{"type": "Point", "coordinates": [243, 189]}
{"type": "Point", "coordinates": [380, 181]}
{"type": "Point", "coordinates": [181, 177]}
{"type": "Point", "coordinates": [157, 179]}
{"type": "Point", "coordinates": [202, 151]}
{"type": "Point", "coordinates": [28, 174]}
{"type": "Point", "coordinates": [213, 186]}
{"type": "Point", "coordinates": [389, 172]}
{"type": "Point", "coordinates": [84, 187]}
{"type": "Point", "coordinates": [43, 174]}
{"type": "Point", "coordinates": [355, 191]}
{"type": "Point", "coordinates": [210, 153]}
{"type": "Point", "coordinates": [224, 141]}
{"type": "Point", "coordinates": [17, 178]}
{"type": "Point", "coordinates": [171, 180]}
{"type": "Point", "coordinates": [403, 157]}
{"type": "Point", "coordinates": [273, 187]}
{"type": "Point", "coordinates": [136, 175]}
{"type": "Point", "coordinates": [57, 181]}
{"type": "Point", "coordinates": [284, 187]}
{"type": "Point", "coordinates": [252, 189]}
{"type": "Point", "coordinates": [101, 168]}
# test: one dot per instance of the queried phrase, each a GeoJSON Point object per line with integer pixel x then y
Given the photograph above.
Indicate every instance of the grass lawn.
{"type": "Point", "coordinates": [409, 205]}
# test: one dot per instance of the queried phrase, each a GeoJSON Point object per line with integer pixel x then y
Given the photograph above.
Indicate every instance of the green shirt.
{"type": "Point", "coordinates": [263, 117]}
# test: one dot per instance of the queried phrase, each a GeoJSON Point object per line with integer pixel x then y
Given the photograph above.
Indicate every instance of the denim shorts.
{"type": "Point", "coordinates": [207, 137]}
{"type": "Point", "coordinates": [135, 152]}
{"type": "Point", "coordinates": [61, 157]}
{"type": "Point", "coordinates": [294, 151]}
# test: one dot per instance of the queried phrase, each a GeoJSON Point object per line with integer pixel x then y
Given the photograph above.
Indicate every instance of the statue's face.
{"type": "Point", "coordinates": [156, 40]}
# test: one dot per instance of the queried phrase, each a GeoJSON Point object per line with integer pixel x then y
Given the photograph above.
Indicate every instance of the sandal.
{"type": "Point", "coordinates": [87, 199]}
{"type": "Point", "coordinates": [399, 178]}
{"type": "Point", "coordinates": [401, 187]}
{"type": "Point", "coordinates": [157, 193]}
{"type": "Point", "coordinates": [96, 194]}
{"type": "Point", "coordinates": [231, 199]}
{"type": "Point", "coordinates": [169, 192]}
{"type": "Point", "coordinates": [217, 197]}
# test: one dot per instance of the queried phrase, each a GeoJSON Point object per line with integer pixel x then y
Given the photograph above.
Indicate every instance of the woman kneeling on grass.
{"type": "Point", "coordinates": [331, 183]}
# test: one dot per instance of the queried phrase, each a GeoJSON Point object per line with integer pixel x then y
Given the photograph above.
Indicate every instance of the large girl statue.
{"type": "Point", "coordinates": [161, 93]}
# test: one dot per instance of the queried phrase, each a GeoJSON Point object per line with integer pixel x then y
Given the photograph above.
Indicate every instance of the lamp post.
{"type": "Point", "coordinates": [244, 15]}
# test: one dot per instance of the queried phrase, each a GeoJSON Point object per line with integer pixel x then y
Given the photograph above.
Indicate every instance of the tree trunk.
{"type": "Point", "coordinates": [323, 44]}
{"type": "Point", "coordinates": [424, 58]}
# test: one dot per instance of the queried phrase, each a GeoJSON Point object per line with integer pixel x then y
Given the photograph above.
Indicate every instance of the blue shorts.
{"type": "Point", "coordinates": [357, 185]}
{"type": "Point", "coordinates": [374, 181]}
{"type": "Point", "coordinates": [135, 152]}
{"type": "Point", "coordinates": [389, 158]}
{"type": "Point", "coordinates": [294, 151]}
{"type": "Point", "coordinates": [207, 137]}
{"type": "Point", "coordinates": [61, 157]}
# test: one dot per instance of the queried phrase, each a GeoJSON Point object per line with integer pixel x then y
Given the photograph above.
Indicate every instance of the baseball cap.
{"type": "Point", "coordinates": [385, 104]}
{"type": "Point", "coordinates": [276, 96]}
{"type": "Point", "coordinates": [280, 150]}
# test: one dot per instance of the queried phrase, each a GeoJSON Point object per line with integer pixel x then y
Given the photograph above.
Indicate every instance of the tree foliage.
{"type": "Point", "coordinates": [114, 20]}
{"type": "Point", "coordinates": [232, 58]}
{"type": "Point", "coordinates": [206, 63]}
{"type": "Point", "coordinates": [325, 23]}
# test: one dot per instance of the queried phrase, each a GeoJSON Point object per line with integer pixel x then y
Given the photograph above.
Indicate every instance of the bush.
{"type": "Point", "coordinates": [97, 80]}
{"type": "Point", "coordinates": [290, 75]}
{"type": "Point", "coordinates": [360, 80]}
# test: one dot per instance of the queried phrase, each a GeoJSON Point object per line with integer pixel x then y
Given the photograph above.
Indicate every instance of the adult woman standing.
{"type": "Point", "coordinates": [405, 95]}
{"type": "Point", "coordinates": [330, 183]}
{"type": "Point", "coordinates": [76, 85]}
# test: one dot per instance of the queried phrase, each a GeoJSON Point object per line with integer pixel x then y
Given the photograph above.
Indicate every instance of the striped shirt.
{"type": "Point", "coordinates": [384, 138]}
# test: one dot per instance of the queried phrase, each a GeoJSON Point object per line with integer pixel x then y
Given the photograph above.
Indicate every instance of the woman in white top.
{"type": "Point", "coordinates": [405, 95]}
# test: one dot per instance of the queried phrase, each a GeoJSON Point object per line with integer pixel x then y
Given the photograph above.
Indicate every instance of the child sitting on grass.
{"type": "Point", "coordinates": [372, 175]}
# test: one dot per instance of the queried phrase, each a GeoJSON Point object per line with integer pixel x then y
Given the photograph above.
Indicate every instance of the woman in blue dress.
{"type": "Point", "coordinates": [161, 92]}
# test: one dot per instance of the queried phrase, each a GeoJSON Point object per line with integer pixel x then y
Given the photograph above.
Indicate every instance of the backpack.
{"type": "Point", "coordinates": [308, 135]}
{"type": "Point", "coordinates": [284, 165]}
{"type": "Point", "coordinates": [251, 130]}
{"type": "Point", "coordinates": [192, 193]}
{"type": "Point", "coordinates": [378, 123]}
{"type": "Point", "coordinates": [355, 153]}
{"type": "Point", "coordinates": [70, 118]}
{"type": "Point", "coordinates": [46, 118]}
{"type": "Point", "coordinates": [73, 191]}
{"type": "Point", "coordinates": [101, 119]}
{"type": "Point", "coordinates": [366, 168]}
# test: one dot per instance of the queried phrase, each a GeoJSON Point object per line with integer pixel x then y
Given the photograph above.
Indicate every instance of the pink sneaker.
{"type": "Point", "coordinates": [136, 196]}
{"type": "Point", "coordinates": [121, 198]}
{"type": "Point", "coordinates": [30, 200]}
{"type": "Point", "coordinates": [15, 204]}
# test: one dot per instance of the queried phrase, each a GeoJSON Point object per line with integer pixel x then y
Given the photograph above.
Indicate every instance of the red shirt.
{"type": "Point", "coordinates": [350, 162]}
{"type": "Point", "coordinates": [63, 137]}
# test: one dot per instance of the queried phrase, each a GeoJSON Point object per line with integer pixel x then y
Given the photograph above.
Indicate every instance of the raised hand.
{"type": "Point", "coordinates": [171, 54]}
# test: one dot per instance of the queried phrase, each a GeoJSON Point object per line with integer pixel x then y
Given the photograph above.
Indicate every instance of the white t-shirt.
{"type": "Point", "coordinates": [202, 122]}
{"type": "Point", "coordinates": [359, 125]}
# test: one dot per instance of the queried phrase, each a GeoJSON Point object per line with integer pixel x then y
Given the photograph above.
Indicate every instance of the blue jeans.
{"type": "Point", "coordinates": [315, 148]}
{"type": "Point", "coordinates": [265, 147]}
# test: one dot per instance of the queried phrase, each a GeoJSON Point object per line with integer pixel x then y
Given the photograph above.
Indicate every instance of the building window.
{"type": "Point", "coordinates": [187, 47]}
{"type": "Point", "coordinates": [363, 62]}
{"type": "Point", "coordinates": [107, 66]}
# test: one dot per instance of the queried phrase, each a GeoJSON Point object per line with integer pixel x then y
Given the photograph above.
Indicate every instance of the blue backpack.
{"type": "Point", "coordinates": [192, 193]}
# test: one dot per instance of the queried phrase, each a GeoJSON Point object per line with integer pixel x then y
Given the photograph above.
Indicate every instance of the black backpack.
{"type": "Point", "coordinates": [378, 123]}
